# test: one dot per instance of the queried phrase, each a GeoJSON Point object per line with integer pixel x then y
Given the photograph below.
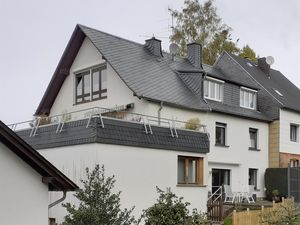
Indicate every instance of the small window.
{"type": "Point", "coordinates": [190, 170]}
{"type": "Point", "coordinates": [213, 89]}
{"type": "Point", "coordinates": [253, 177]}
{"type": "Point", "coordinates": [294, 163]}
{"type": "Point", "coordinates": [221, 134]}
{"type": "Point", "coordinates": [91, 84]}
{"type": "Point", "coordinates": [294, 132]}
{"type": "Point", "coordinates": [248, 98]}
{"type": "Point", "coordinates": [253, 138]}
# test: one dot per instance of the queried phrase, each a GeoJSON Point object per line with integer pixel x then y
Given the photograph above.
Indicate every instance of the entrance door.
{"type": "Point", "coordinates": [219, 178]}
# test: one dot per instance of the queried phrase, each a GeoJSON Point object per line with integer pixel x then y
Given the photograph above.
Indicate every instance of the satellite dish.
{"type": "Point", "coordinates": [270, 60]}
{"type": "Point", "coordinates": [174, 49]}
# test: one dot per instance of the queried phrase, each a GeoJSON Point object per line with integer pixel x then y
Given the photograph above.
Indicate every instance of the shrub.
{"type": "Point", "coordinates": [192, 124]}
{"type": "Point", "coordinates": [171, 210]}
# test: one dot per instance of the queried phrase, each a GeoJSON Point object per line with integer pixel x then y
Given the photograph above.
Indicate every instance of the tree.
{"type": "Point", "coordinates": [97, 204]}
{"type": "Point", "coordinates": [200, 23]}
{"type": "Point", "coordinates": [171, 210]}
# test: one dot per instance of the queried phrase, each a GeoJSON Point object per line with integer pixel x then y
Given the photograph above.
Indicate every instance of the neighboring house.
{"type": "Point", "coordinates": [26, 178]}
{"type": "Point", "coordinates": [282, 103]}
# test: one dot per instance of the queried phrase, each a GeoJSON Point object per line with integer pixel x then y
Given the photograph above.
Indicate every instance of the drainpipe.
{"type": "Point", "coordinates": [159, 112]}
{"type": "Point", "coordinates": [59, 200]}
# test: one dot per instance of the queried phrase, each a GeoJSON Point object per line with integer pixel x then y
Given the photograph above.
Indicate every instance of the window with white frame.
{"type": "Point", "coordinates": [253, 138]}
{"type": "Point", "coordinates": [213, 89]}
{"type": "Point", "coordinates": [221, 134]}
{"type": "Point", "coordinates": [248, 98]}
{"type": "Point", "coordinates": [91, 84]}
{"type": "Point", "coordinates": [294, 130]}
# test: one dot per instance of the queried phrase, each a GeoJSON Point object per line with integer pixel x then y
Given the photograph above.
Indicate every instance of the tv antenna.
{"type": "Point", "coordinates": [270, 60]}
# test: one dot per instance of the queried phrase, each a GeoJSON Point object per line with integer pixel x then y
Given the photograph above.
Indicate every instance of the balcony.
{"type": "Point", "coordinates": [112, 126]}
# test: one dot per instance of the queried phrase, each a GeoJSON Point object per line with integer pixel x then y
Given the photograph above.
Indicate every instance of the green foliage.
{"type": "Point", "coordinates": [247, 52]}
{"type": "Point", "coordinates": [98, 205]}
{"type": "Point", "coordinates": [275, 192]}
{"type": "Point", "coordinates": [171, 210]}
{"type": "Point", "coordinates": [200, 23]}
{"type": "Point", "coordinates": [283, 214]}
{"type": "Point", "coordinates": [228, 221]}
{"type": "Point", "coordinates": [192, 124]}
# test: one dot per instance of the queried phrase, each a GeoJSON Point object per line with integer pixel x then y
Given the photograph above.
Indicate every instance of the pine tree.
{"type": "Point", "coordinates": [98, 205]}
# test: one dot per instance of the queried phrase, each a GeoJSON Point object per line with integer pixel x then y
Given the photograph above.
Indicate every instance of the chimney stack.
{"type": "Point", "coordinates": [263, 65]}
{"type": "Point", "coordinates": [154, 46]}
{"type": "Point", "coordinates": [194, 54]}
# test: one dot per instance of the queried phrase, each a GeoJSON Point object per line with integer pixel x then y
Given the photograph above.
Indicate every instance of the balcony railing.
{"type": "Point", "coordinates": [113, 113]}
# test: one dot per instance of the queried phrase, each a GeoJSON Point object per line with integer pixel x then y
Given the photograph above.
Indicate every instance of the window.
{"type": "Point", "coordinates": [190, 170]}
{"type": "Point", "coordinates": [248, 98]}
{"type": "Point", "coordinates": [294, 132]}
{"type": "Point", "coordinates": [253, 138]}
{"type": "Point", "coordinates": [253, 177]}
{"type": "Point", "coordinates": [91, 84]}
{"type": "Point", "coordinates": [213, 89]}
{"type": "Point", "coordinates": [294, 163]}
{"type": "Point", "coordinates": [221, 134]}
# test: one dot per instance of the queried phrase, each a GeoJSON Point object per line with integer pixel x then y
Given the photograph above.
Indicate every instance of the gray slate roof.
{"type": "Point", "coordinates": [119, 133]}
{"type": "Point", "coordinates": [161, 79]}
{"type": "Point", "coordinates": [276, 81]}
{"type": "Point", "coordinates": [148, 76]}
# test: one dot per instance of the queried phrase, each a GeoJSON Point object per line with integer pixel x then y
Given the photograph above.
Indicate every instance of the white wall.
{"type": "Point", "coordinates": [23, 196]}
{"type": "Point", "coordinates": [237, 157]}
{"type": "Point", "coordinates": [286, 145]}
{"type": "Point", "coordinates": [138, 171]}
{"type": "Point", "coordinates": [117, 92]}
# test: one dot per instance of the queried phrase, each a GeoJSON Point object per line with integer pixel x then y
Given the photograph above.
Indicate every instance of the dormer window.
{"type": "Point", "coordinates": [248, 98]}
{"type": "Point", "coordinates": [213, 89]}
{"type": "Point", "coordinates": [91, 84]}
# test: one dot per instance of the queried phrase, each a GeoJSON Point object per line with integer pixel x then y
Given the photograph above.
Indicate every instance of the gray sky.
{"type": "Point", "coordinates": [34, 34]}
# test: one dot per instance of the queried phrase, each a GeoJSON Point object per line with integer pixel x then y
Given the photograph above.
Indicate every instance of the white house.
{"type": "Point", "coordinates": [132, 80]}
{"type": "Point", "coordinates": [26, 179]}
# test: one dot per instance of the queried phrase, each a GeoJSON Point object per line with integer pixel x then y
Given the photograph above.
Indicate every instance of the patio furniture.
{"type": "Point", "coordinates": [229, 195]}
{"type": "Point", "coordinates": [249, 195]}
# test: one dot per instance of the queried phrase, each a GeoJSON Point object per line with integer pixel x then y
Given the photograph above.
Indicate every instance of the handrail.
{"type": "Point", "coordinates": [215, 194]}
{"type": "Point", "coordinates": [85, 114]}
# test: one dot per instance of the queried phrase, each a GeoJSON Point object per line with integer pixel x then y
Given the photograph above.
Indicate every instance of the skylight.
{"type": "Point", "coordinates": [278, 92]}
{"type": "Point", "coordinates": [249, 64]}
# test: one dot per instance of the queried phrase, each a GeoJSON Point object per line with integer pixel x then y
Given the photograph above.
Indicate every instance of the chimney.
{"type": "Point", "coordinates": [154, 46]}
{"type": "Point", "coordinates": [263, 65]}
{"type": "Point", "coordinates": [194, 54]}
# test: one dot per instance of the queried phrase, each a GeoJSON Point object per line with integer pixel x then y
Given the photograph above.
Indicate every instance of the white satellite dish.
{"type": "Point", "coordinates": [174, 49]}
{"type": "Point", "coordinates": [270, 60]}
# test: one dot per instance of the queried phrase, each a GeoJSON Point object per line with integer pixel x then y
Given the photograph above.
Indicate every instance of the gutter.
{"type": "Point", "coordinates": [59, 200]}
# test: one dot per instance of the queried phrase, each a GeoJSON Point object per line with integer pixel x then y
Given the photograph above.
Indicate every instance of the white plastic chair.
{"type": "Point", "coordinates": [249, 195]}
{"type": "Point", "coordinates": [229, 195]}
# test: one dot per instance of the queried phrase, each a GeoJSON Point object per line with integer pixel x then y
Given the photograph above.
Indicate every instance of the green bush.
{"type": "Point", "coordinates": [171, 210]}
{"type": "Point", "coordinates": [192, 124]}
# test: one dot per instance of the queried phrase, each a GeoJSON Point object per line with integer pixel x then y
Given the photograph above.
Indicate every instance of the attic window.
{"type": "Point", "coordinates": [91, 84]}
{"type": "Point", "coordinates": [278, 92]}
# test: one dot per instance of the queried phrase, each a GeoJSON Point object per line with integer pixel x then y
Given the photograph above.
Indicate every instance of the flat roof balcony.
{"type": "Point", "coordinates": [112, 126]}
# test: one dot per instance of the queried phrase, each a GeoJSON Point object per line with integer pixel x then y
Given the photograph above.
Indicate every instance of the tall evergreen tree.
{"type": "Point", "coordinates": [98, 205]}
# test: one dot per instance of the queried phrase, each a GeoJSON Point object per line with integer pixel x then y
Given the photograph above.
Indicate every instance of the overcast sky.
{"type": "Point", "coordinates": [34, 34]}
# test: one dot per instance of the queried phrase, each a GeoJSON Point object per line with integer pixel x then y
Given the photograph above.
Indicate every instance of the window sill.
{"type": "Point", "coordinates": [191, 185]}
{"type": "Point", "coordinates": [223, 146]}
{"type": "Point", "coordinates": [213, 99]}
{"type": "Point", "coordinates": [253, 149]}
{"type": "Point", "coordinates": [89, 101]}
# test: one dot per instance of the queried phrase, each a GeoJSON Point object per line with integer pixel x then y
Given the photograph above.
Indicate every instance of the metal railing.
{"type": "Point", "coordinates": [116, 114]}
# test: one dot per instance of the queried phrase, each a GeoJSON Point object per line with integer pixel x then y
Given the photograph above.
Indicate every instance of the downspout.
{"type": "Point", "coordinates": [59, 200]}
{"type": "Point", "coordinates": [159, 112]}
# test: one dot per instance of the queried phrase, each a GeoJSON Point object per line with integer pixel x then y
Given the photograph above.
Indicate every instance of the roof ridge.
{"type": "Point", "coordinates": [112, 35]}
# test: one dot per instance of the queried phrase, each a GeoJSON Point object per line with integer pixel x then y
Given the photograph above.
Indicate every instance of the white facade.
{"type": "Point", "coordinates": [237, 158]}
{"type": "Point", "coordinates": [23, 196]}
{"type": "Point", "coordinates": [287, 118]}
{"type": "Point", "coordinates": [137, 171]}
